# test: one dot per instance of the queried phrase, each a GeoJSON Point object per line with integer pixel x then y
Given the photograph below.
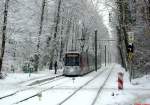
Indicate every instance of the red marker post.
{"type": "Point", "coordinates": [120, 81]}
{"type": "Point", "coordinates": [141, 104]}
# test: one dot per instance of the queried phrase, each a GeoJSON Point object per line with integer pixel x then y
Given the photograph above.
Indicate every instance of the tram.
{"type": "Point", "coordinates": [78, 63]}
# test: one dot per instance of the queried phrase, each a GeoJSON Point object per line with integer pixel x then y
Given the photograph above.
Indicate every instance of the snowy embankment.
{"type": "Point", "coordinates": [135, 92]}
{"type": "Point", "coordinates": [15, 81]}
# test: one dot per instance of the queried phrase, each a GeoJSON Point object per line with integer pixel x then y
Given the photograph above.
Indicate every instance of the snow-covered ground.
{"type": "Point", "coordinates": [137, 92]}
{"type": "Point", "coordinates": [15, 81]}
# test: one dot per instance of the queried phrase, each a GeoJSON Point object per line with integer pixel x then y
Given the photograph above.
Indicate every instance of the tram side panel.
{"type": "Point", "coordinates": [84, 66]}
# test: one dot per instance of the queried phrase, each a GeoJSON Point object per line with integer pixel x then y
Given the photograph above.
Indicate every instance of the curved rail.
{"type": "Point", "coordinates": [67, 98]}
{"type": "Point", "coordinates": [51, 79]}
{"type": "Point", "coordinates": [74, 92]}
{"type": "Point", "coordinates": [101, 87]}
{"type": "Point", "coordinates": [39, 93]}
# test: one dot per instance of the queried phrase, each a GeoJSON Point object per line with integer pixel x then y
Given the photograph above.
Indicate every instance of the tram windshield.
{"type": "Point", "coordinates": [72, 59]}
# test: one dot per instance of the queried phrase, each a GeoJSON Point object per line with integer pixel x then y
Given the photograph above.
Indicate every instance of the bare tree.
{"type": "Point", "coordinates": [3, 35]}
{"type": "Point", "coordinates": [40, 32]}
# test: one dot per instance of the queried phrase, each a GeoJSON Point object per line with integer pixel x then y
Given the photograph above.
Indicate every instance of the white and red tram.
{"type": "Point", "coordinates": [78, 63]}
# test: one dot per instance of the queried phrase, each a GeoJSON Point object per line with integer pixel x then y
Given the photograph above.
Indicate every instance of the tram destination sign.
{"type": "Point", "coordinates": [72, 55]}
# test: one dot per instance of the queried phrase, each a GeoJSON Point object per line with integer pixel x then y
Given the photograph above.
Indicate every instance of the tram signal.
{"type": "Point", "coordinates": [130, 48]}
{"type": "Point", "coordinates": [130, 51]}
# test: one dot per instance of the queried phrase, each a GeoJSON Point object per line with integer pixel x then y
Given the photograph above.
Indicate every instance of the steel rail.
{"type": "Point", "coordinates": [38, 93]}
{"type": "Point", "coordinates": [37, 82]}
{"type": "Point", "coordinates": [67, 98]}
{"type": "Point", "coordinates": [101, 87]}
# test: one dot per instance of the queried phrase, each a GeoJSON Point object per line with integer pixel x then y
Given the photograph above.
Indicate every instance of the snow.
{"type": "Point", "coordinates": [131, 94]}
{"type": "Point", "coordinates": [24, 32]}
{"type": "Point", "coordinates": [14, 81]}
{"type": "Point", "coordinates": [138, 91]}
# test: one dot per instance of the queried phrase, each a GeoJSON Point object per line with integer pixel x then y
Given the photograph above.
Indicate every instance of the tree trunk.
{"type": "Point", "coordinates": [40, 32]}
{"type": "Point", "coordinates": [122, 32]}
{"type": "Point", "coordinates": [57, 19]}
{"type": "Point", "coordinates": [4, 34]}
{"type": "Point", "coordinates": [54, 53]}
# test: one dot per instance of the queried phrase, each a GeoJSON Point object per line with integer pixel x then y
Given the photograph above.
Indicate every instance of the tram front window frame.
{"type": "Point", "coordinates": [72, 59]}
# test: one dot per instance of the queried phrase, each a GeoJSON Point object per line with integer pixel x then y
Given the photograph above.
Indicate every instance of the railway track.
{"type": "Point", "coordinates": [32, 79]}
{"type": "Point", "coordinates": [101, 87]}
{"type": "Point", "coordinates": [81, 87]}
{"type": "Point", "coordinates": [46, 80]}
{"type": "Point", "coordinates": [52, 87]}
{"type": "Point", "coordinates": [73, 92]}
{"type": "Point", "coordinates": [38, 82]}
{"type": "Point", "coordinates": [46, 89]}
{"type": "Point", "coordinates": [40, 92]}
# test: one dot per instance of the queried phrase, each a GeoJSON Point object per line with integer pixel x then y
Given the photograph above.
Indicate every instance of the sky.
{"type": "Point", "coordinates": [105, 7]}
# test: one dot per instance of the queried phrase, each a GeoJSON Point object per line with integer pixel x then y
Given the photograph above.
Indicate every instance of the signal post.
{"type": "Point", "coordinates": [130, 52]}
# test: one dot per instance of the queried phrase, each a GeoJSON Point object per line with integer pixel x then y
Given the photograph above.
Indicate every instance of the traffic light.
{"type": "Point", "coordinates": [130, 48]}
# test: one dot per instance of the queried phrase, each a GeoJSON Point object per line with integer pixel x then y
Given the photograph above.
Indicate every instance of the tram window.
{"type": "Point", "coordinates": [72, 61]}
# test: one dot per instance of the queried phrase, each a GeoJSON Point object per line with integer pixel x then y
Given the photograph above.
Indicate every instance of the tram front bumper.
{"type": "Point", "coordinates": [73, 70]}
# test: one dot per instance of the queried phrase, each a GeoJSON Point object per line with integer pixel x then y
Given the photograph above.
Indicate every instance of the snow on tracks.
{"type": "Point", "coordinates": [32, 82]}
{"type": "Point", "coordinates": [78, 94]}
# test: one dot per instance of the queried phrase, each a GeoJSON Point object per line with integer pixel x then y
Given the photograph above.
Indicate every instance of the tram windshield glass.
{"type": "Point", "coordinates": [72, 59]}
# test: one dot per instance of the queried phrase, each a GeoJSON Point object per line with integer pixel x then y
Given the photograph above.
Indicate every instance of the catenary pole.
{"type": "Point", "coordinates": [96, 50]}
